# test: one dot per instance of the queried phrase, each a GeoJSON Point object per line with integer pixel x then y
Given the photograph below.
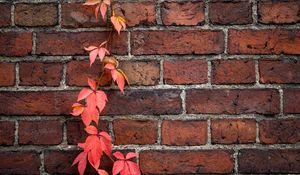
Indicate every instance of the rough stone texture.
{"type": "Point", "coordinates": [33, 15]}
{"type": "Point", "coordinates": [177, 42]}
{"type": "Point", "coordinates": [7, 133]}
{"type": "Point", "coordinates": [185, 71]}
{"type": "Point", "coordinates": [233, 72]}
{"type": "Point", "coordinates": [40, 74]}
{"type": "Point", "coordinates": [279, 131]}
{"type": "Point", "coordinates": [265, 41]}
{"type": "Point", "coordinates": [279, 71]}
{"type": "Point", "coordinates": [5, 15]}
{"type": "Point", "coordinates": [269, 161]}
{"type": "Point", "coordinates": [237, 101]}
{"type": "Point", "coordinates": [171, 162]}
{"type": "Point", "coordinates": [7, 74]}
{"type": "Point", "coordinates": [279, 12]}
{"type": "Point", "coordinates": [16, 44]}
{"type": "Point", "coordinates": [230, 12]}
{"type": "Point", "coordinates": [291, 101]}
{"type": "Point", "coordinates": [184, 132]}
{"type": "Point", "coordinates": [233, 131]}
{"type": "Point", "coordinates": [139, 132]}
{"type": "Point", "coordinates": [182, 13]}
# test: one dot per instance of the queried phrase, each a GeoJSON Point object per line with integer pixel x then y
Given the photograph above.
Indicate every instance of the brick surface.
{"type": "Point", "coordinates": [26, 162]}
{"type": "Point", "coordinates": [230, 12]}
{"type": "Point", "coordinates": [7, 133]}
{"type": "Point", "coordinates": [183, 162]}
{"type": "Point", "coordinates": [279, 71]}
{"type": "Point", "coordinates": [269, 161]}
{"type": "Point", "coordinates": [279, 12]}
{"type": "Point", "coordinates": [185, 71]}
{"type": "Point", "coordinates": [184, 132]}
{"type": "Point", "coordinates": [15, 44]}
{"type": "Point", "coordinates": [291, 101]}
{"type": "Point", "coordinates": [7, 74]}
{"type": "Point", "coordinates": [33, 15]}
{"type": "Point", "coordinates": [177, 42]}
{"type": "Point", "coordinates": [5, 15]}
{"type": "Point", "coordinates": [236, 101]}
{"type": "Point", "coordinates": [40, 132]}
{"type": "Point", "coordinates": [233, 131]}
{"type": "Point", "coordinates": [279, 131]}
{"type": "Point", "coordinates": [233, 72]}
{"type": "Point", "coordinates": [40, 74]}
{"type": "Point", "coordinates": [265, 41]}
{"type": "Point", "coordinates": [182, 13]}
{"type": "Point", "coordinates": [63, 43]}
{"type": "Point", "coordinates": [135, 132]}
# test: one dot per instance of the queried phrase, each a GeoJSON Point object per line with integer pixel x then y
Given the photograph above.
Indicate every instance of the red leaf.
{"type": "Point", "coordinates": [97, 11]}
{"type": "Point", "coordinates": [130, 155]}
{"type": "Point", "coordinates": [93, 56]}
{"type": "Point", "coordinates": [119, 155]}
{"type": "Point", "coordinates": [84, 93]}
{"type": "Point", "coordinates": [94, 156]}
{"type": "Point", "coordinates": [91, 130]}
{"type": "Point", "coordinates": [101, 100]}
{"type": "Point", "coordinates": [109, 66]}
{"type": "Point", "coordinates": [119, 79]}
{"type": "Point", "coordinates": [81, 160]}
{"type": "Point", "coordinates": [133, 168]}
{"type": "Point", "coordinates": [103, 10]}
{"type": "Point", "coordinates": [102, 172]}
{"type": "Point", "coordinates": [118, 166]}
{"type": "Point", "coordinates": [77, 109]}
{"type": "Point", "coordinates": [86, 118]}
{"type": "Point", "coordinates": [91, 103]}
{"type": "Point", "coordinates": [125, 170]}
{"type": "Point", "coordinates": [90, 48]}
{"type": "Point", "coordinates": [106, 144]}
{"type": "Point", "coordinates": [91, 2]}
{"type": "Point", "coordinates": [92, 84]}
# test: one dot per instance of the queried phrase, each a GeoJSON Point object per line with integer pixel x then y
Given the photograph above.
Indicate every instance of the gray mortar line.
{"type": "Point", "coordinates": [16, 134]}
{"type": "Point", "coordinates": [159, 132]}
{"type": "Point", "coordinates": [183, 101]}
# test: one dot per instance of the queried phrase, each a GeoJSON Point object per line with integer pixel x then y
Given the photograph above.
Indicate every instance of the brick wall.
{"type": "Point", "coordinates": [215, 85]}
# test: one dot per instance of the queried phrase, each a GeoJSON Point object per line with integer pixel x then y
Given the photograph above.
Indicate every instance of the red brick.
{"type": "Point", "coordinates": [7, 74]}
{"type": "Point", "coordinates": [279, 12]}
{"type": "Point", "coordinates": [15, 44]}
{"type": "Point", "coordinates": [76, 15]}
{"type": "Point", "coordinates": [33, 15]}
{"type": "Point", "coordinates": [7, 133]}
{"type": "Point", "coordinates": [182, 13]}
{"type": "Point", "coordinates": [76, 133]}
{"type": "Point", "coordinates": [40, 74]}
{"type": "Point", "coordinates": [40, 132]}
{"type": "Point", "coordinates": [138, 13]}
{"type": "Point", "coordinates": [269, 161]}
{"type": "Point", "coordinates": [279, 131]}
{"type": "Point", "coordinates": [230, 12]}
{"type": "Point", "coordinates": [135, 132]}
{"type": "Point", "coordinates": [279, 71]}
{"type": "Point", "coordinates": [5, 14]}
{"type": "Point", "coordinates": [233, 71]}
{"type": "Point", "coordinates": [196, 162]}
{"type": "Point", "coordinates": [235, 101]}
{"type": "Point", "coordinates": [184, 132]}
{"type": "Point", "coordinates": [63, 43]}
{"type": "Point", "coordinates": [232, 131]}
{"type": "Point", "coordinates": [26, 162]}
{"type": "Point", "coordinates": [185, 71]}
{"type": "Point", "coordinates": [146, 102]}
{"type": "Point", "coordinates": [177, 42]}
{"type": "Point", "coordinates": [265, 41]}
{"type": "Point", "coordinates": [291, 101]}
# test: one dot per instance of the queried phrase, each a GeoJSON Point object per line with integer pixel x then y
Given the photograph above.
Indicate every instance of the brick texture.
{"type": "Point", "coordinates": [7, 74]}
{"type": "Point", "coordinates": [291, 101]}
{"type": "Point", "coordinates": [5, 15]}
{"type": "Point", "coordinates": [7, 133]}
{"type": "Point", "coordinates": [16, 44]}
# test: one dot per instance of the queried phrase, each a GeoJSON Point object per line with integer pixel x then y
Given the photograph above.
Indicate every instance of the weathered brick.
{"type": "Point", "coordinates": [26, 162]}
{"type": "Point", "coordinates": [185, 71]}
{"type": "Point", "coordinates": [278, 12]}
{"type": "Point", "coordinates": [279, 131]}
{"type": "Point", "coordinates": [269, 161]}
{"type": "Point", "coordinates": [15, 44]}
{"type": "Point", "coordinates": [230, 12]}
{"type": "Point", "coordinates": [180, 162]}
{"type": "Point", "coordinates": [5, 14]}
{"type": "Point", "coordinates": [291, 101]}
{"type": "Point", "coordinates": [33, 15]}
{"type": "Point", "coordinates": [7, 74]}
{"type": "Point", "coordinates": [40, 132]}
{"type": "Point", "coordinates": [40, 74]}
{"type": "Point", "coordinates": [7, 133]}
{"type": "Point", "coordinates": [233, 71]}
{"type": "Point", "coordinates": [76, 133]}
{"type": "Point", "coordinates": [265, 41]}
{"type": "Point", "coordinates": [184, 132]}
{"type": "Point", "coordinates": [232, 131]}
{"type": "Point", "coordinates": [235, 101]}
{"type": "Point", "coordinates": [138, 13]}
{"type": "Point", "coordinates": [135, 132]}
{"type": "Point", "coordinates": [279, 71]}
{"type": "Point", "coordinates": [182, 13]}
{"type": "Point", "coordinates": [63, 43]}
{"type": "Point", "coordinates": [177, 42]}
